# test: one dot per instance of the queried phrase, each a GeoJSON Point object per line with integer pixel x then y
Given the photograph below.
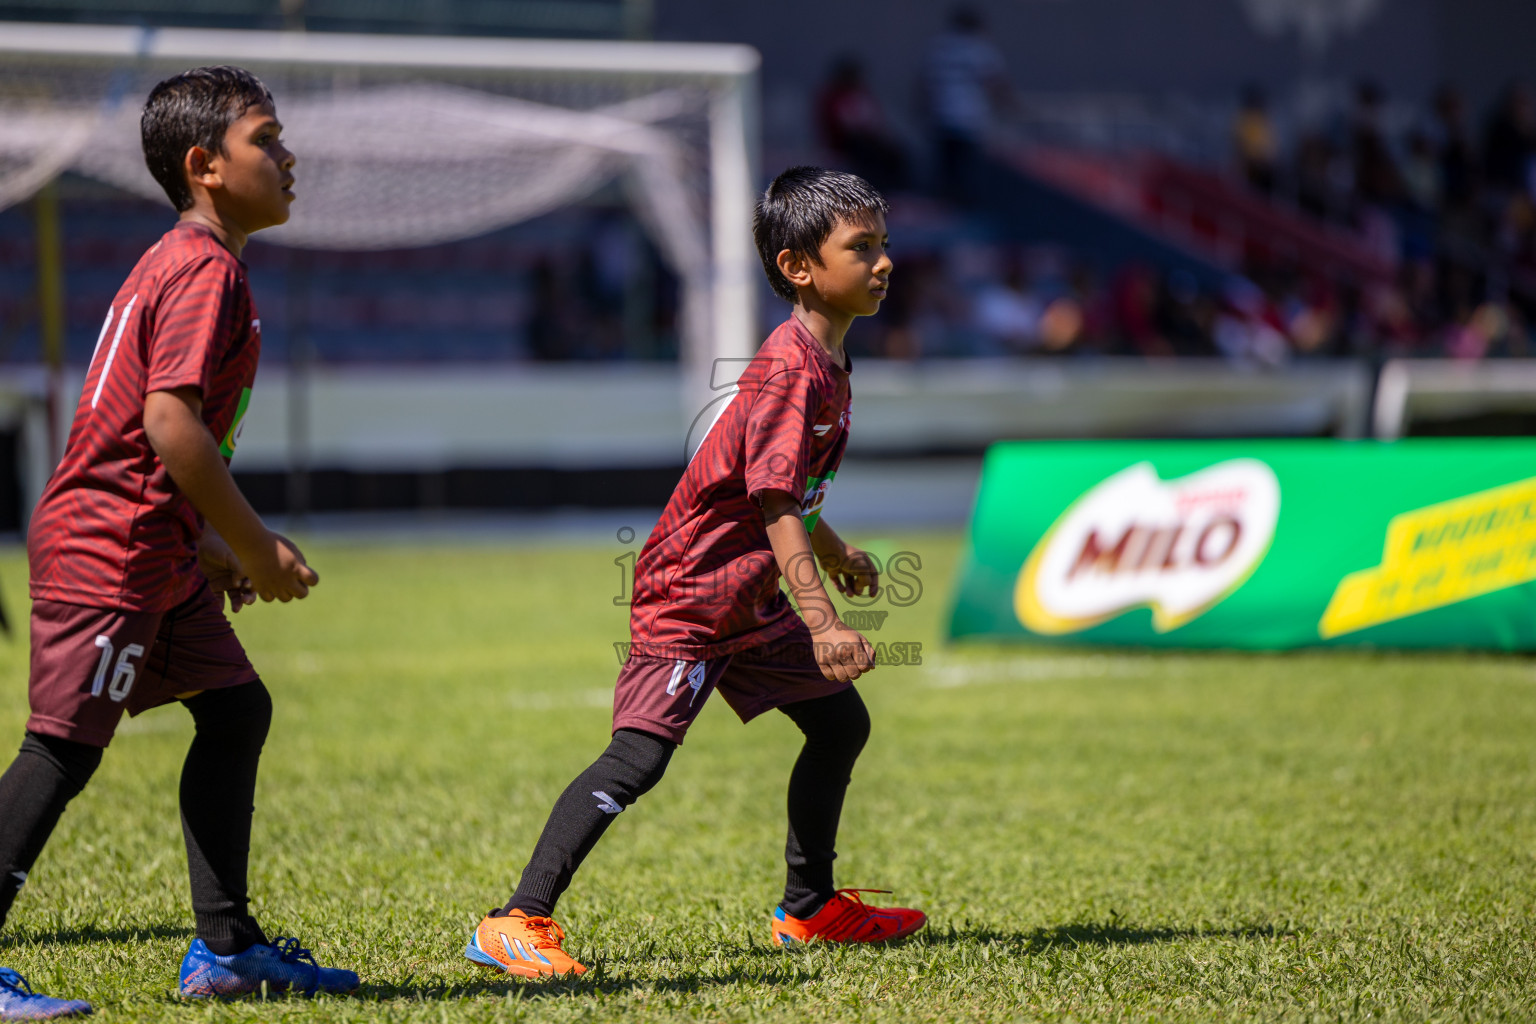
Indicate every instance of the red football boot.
{"type": "Point", "coordinates": [847, 918]}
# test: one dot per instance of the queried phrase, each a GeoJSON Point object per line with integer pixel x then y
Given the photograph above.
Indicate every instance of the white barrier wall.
{"type": "Point", "coordinates": [432, 418]}
{"type": "Point", "coordinates": [1439, 389]}
{"type": "Point", "coordinates": [585, 417]}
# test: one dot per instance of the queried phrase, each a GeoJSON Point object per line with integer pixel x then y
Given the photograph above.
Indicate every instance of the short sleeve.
{"type": "Point", "coordinates": [778, 433]}
{"type": "Point", "coordinates": [194, 322]}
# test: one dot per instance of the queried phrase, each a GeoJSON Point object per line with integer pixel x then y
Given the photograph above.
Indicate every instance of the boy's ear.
{"type": "Point", "coordinates": [795, 268]}
{"type": "Point", "coordinates": [199, 165]}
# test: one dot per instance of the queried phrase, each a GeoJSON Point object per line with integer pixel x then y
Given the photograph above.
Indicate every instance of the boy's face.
{"type": "Point", "coordinates": [253, 176]}
{"type": "Point", "coordinates": [855, 267]}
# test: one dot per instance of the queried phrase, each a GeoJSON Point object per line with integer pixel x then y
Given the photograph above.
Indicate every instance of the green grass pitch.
{"type": "Point", "coordinates": [1096, 836]}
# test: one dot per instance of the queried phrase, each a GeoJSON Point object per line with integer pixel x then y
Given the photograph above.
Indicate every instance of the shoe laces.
{"type": "Point", "coordinates": [290, 952]}
{"type": "Point", "coordinates": [852, 895]}
{"type": "Point", "coordinates": [549, 935]}
{"type": "Point", "coordinates": [15, 982]}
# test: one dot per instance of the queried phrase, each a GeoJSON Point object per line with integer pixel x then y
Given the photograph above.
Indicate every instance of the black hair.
{"type": "Point", "coordinates": [798, 212]}
{"type": "Point", "coordinates": [194, 108]}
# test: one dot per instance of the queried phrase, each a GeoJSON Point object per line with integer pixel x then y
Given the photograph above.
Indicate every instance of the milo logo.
{"type": "Point", "coordinates": [1177, 546]}
{"type": "Point", "coordinates": [815, 497]}
{"type": "Point", "coordinates": [232, 437]}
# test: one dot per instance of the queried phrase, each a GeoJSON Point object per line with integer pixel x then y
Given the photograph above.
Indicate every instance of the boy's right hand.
{"type": "Point", "coordinates": [842, 653]}
{"type": "Point", "coordinates": [277, 569]}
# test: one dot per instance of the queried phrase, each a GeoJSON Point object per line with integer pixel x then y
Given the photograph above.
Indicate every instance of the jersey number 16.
{"type": "Point", "coordinates": [122, 676]}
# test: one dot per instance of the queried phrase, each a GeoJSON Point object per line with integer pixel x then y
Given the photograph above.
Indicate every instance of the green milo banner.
{"type": "Point", "coordinates": [1255, 544]}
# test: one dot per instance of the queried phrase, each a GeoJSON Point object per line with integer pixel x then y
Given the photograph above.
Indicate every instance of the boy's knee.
{"type": "Point", "coordinates": [837, 722]}
{"type": "Point", "coordinates": [857, 725]}
{"type": "Point", "coordinates": [642, 758]}
{"type": "Point", "coordinates": [238, 714]}
{"type": "Point", "coordinates": [77, 762]}
{"type": "Point", "coordinates": [847, 728]}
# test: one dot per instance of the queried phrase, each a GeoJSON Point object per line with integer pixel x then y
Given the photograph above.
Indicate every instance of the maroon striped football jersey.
{"type": "Point", "coordinates": [706, 582]}
{"type": "Point", "coordinates": [112, 529]}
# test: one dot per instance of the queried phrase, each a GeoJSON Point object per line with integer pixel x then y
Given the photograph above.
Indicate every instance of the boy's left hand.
{"type": "Point", "coordinates": [221, 565]}
{"type": "Point", "coordinates": [853, 572]}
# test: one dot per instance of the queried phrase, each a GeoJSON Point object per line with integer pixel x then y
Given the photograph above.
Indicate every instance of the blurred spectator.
{"type": "Point", "coordinates": [1510, 141]}
{"type": "Point", "coordinates": [1389, 321]}
{"type": "Point", "coordinates": [1007, 313]}
{"type": "Point", "coordinates": [1458, 158]}
{"type": "Point", "coordinates": [1377, 181]}
{"type": "Point", "coordinates": [966, 82]}
{"type": "Point", "coordinates": [1316, 178]}
{"type": "Point", "coordinates": [1417, 215]}
{"type": "Point", "coordinates": [1247, 327]}
{"type": "Point", "coordinates": [1186, 316]}
{"type": "Point", "coordinates": [1136, 311]}
{"type": "Point", "coordinates": [1421, 172]}
{"type": "Point", "coordinates": [1516, 238]}
{"type": "Point", "coordinates": [1061, 324]}
{"type": "Point", "coordinates": [1096, 332]}
{"type": "Point", "coordinates": [1313, 319]}
{"type": "Point", "coordinates": [1492, 329]}
{"type": "Point", "coordinates": [853, 128]}
{"type": "Point", "coordinates": [1421, 291]}
{"type": "Point", "coordinates": [1460, 228]}
{"type": "Point", "coordinates": [1253, 138]}
{"type": "Point", "coordinates": [550, 325]}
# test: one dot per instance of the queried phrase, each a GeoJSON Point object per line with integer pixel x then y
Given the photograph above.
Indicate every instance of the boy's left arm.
{"type": "Point", "coordinates": [851, 569]}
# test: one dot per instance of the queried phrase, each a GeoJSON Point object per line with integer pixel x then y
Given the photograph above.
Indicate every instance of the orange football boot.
{"type": "Point", "coordinates": [518, 944]}
{"type": "Point", "coordinates": [847, 918]}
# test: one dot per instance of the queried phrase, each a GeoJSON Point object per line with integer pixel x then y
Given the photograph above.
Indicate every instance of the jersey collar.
{"type": "Point", "coordinates": [805, 337]}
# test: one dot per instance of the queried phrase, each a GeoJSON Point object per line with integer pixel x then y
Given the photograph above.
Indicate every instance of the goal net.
{"type": "Point", "coordinates": [412, 141]}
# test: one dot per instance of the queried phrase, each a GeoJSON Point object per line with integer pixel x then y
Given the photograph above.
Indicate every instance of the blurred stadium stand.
{"type": "Point", "coordinates": [1222, 220]}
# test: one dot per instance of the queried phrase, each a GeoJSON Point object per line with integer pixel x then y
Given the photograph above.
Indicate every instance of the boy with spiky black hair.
{"type": "Point", "coordinates": [141, 532]}
{"type": "Point", "coordinates": [708, 613]}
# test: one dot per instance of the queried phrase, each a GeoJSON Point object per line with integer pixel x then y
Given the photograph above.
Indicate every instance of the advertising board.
{"type": "Point", "coordinates": [1255, 544]}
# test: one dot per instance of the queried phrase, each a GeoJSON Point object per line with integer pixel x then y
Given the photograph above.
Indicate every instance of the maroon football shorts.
{"type": "Point", "coordinates": [663, 696]}
{"type": "Point", "coordinates": [89, 665]}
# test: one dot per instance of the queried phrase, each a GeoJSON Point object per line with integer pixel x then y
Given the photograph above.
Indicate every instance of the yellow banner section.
{"type": "Point", "coordinates": [1439, 555]}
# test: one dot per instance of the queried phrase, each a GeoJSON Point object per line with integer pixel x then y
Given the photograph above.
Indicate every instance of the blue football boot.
{"type": "Point", "coordinates": [281, 966]}
{"type": "Point", "coordinates": [19, 1002]}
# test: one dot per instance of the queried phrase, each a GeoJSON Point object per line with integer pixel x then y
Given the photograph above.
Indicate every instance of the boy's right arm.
{"type": "Point", "coordinates": [842, 654]}
{"type": "Point", "coordinates": [174, 424]}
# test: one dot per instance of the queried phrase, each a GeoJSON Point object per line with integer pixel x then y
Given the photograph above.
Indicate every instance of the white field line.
{"type": "Point", "coordinates": [949, 674]}
{"type": "Point", "coordinates": [561, 700]}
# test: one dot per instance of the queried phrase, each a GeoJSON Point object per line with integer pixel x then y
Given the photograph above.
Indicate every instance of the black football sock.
{"type": "Point", "coordinates": [632, 764]}
{"type": "Point", "coordinates": [218, 793]}
{"type": "Point", "coordinates": [47, 774]}
{"type": "Point", "coordinates": [836, 728]}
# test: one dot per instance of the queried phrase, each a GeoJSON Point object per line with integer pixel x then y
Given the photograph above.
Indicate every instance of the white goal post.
{"type": "Point", "coordinates": [520, 126]}
{"type": "Point", "coordinates": [1449, 389]}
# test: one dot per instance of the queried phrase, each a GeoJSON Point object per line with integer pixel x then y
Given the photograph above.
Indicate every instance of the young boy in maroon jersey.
{"type": "Point", "coordinates": [142, 530]}
{"type": "Point", "coordinates": [707, 612]}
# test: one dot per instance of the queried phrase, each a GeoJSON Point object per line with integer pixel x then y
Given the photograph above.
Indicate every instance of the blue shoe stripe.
{"type": "Point", "coordinates": [506, 944]}
{"type": "Point", "coordinates": [479, 956]}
